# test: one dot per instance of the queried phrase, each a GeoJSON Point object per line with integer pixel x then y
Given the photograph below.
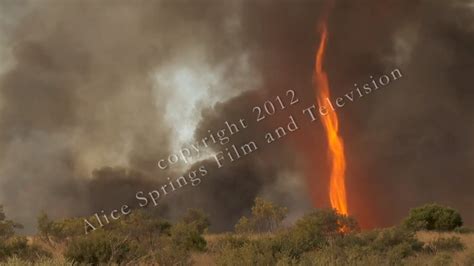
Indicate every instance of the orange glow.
{"type": "Point", "coordinates": [337, 160]}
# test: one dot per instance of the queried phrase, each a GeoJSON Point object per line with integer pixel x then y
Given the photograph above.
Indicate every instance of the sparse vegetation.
{"type": "Point", "coordinates": [446, 244]}
{"type": "Point", "coordinates": [321, 237]}
{"type": "Point", "coordinates": [7, 227]}
{"type": "Point", "coordinates": [100, 247]}
{"type": "Point", "coordinates": [12, 245]}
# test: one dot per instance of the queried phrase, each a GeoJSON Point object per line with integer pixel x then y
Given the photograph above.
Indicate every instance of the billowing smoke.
{"type": "Point", "coordinates": [93, 95]}
{"type": "Point", "coordinates": [84, 95]}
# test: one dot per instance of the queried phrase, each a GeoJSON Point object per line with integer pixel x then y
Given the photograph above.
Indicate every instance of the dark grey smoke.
{"type": "Point", "coordinates": [407, 145]}
{"type": "Point", "coordinates": [79, 96]}
{"type": "Point", "coordinates": [82, 122]}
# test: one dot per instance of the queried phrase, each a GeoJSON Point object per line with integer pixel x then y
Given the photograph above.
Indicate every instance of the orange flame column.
{"type": "Point", "coordinates": [337, 160]}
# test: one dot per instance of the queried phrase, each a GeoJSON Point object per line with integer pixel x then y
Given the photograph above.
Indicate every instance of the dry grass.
{"type": "Point", "coordinates": [203, 259]}
{"type": "Point", "coordinates": [460, 257]}
{"type": "Point", "coordinates": [456, 258]}
{"type": "Point", "coordinates": [56, 249]}
{"type": "Point", "coordinates": [211, 238]}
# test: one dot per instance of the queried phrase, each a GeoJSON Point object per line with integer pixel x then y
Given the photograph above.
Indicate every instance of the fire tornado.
{"type": "Point", "coordinates": [337, 160]}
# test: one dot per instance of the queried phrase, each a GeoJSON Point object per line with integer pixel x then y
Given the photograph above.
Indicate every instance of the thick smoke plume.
{"type": "Point", "coordinates": [91, 96]}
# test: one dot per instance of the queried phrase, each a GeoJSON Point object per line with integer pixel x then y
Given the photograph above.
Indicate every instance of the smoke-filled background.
{"type": "Point", "coordinates": [93, 94]}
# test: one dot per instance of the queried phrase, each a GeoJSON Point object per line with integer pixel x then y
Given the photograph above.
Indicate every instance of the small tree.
{"type": "Point", "coordinates": [45, 226]}
{"type": "Point", "coordinates": [7, 227]}
{"type": "Point", "coordinates": [59, 230]}
{"type": "Point", "coordinates": [198, 218]}
{"type": "Point", "coordinates": [433, 217]}
{"type": "Point", "coordinates": [17, 246]}
{"type": "Point", "coordinates": [187, 237]}
{"type": "Point", "coordinates": [244, 226]}
{"type": "Point", "coordinates": [266, 217]}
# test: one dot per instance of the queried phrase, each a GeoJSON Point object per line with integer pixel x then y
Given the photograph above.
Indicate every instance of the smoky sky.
{"type": "Point", "coordinates": [91, 96]}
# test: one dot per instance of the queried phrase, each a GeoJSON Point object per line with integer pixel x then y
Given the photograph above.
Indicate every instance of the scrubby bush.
{"type": "Point", "coordinates": [402, 240]}
{"type": "Point", "coordinates": [187, 237]}
{"type": "Point", "coordinates": [378, 247]}
{"type": "Point", "coordinates": [244, 226]}
{"type": "Point", "coordinates": [445, 244]}
{"type": "Point", "coordinates": [322, 237]}
{"type": "Point", "coordinates": [170, 253]}
{"type": "Point", "coordinates": [140, 237]}
{"type": "Point", "coordinates": [463, 230]}
{"type": "Point", "coordinates": [60, 230]}
{"type": "Point", "coordinates": [45, 226]}
{"type": "Point", "coordinates": [197, 218]}
{"type": "Point", "coordinates": [433, 217]}
{"type": "Point", "coordinates": [228, 241]}
{"type": "Point", "coordinates": [71, 227]}
{"type": "Point", "coordinates": [314, 230]}
{"type": "Point", "coordinates": [176, 248]}
{"type": "Point", "coordinates": [259, 250]}
{"type": "Point", "coordinates": [141, 226]}
{"type": "Point", "coordinates": [7, 227]}
{"type": "Point", "coordinates": [265, 217]}
{"type": "Point", "coordinates": [18, 247]}
{"type": "Point", "coordinates": [48, 229]}
{"type": "Point", "coordinates": [101, 247]}
{"type": "Point", "coordinates": [256, 252]}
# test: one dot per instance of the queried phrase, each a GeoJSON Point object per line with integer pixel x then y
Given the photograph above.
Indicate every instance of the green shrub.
{"type": "Point", "coordinates": [314, 230]}
{"type": "Point", "coordinates": [244, 226]}
{"type": "Point", "coordinates": [18, 247]}
{"type": "Point", "coordinates": [463, 230]}
{"type": "Point", "coordinates": [197, 218]}
{"type": "Point", "coordinates": [100, 247]}
{"type": "Point", "coordinates": [433, 217]}
{"type": "Point", "coordinates": [50, 230]}
{"type": "Point", "coordinates": [187, 237]}
{"type": "Point", "coordinates": [446, 244]}
{"type": "Point", "coordinates": [7, 227]}
{"type": "Point", "coordinates": [266, 217]}
{"type": "Point", "coordinates": [44, 226]}
{"type": "Point", "coordinates": [128, 240]}
{"type": "Point", "coordinates": [396, 237]}
{"type": "Point", "coordinates": [142, 227]}
{"type": "Point", "coordinates": [176, 248]}
{"type": "Point", "coordinates": [377, 247]}
{"type": "Point", "coordinates": [393, 244]}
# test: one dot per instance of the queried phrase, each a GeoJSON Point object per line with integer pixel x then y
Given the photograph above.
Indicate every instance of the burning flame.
{"type": "Point", "coordinates": [337, 187]}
